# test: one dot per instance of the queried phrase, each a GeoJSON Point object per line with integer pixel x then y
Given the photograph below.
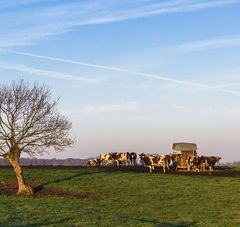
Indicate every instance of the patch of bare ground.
{"type": "Point", "coordinates": [216, 173]}
{"type": "Point", "coordinates": [219, 171]}
{"type": "Point", "coordinates": [10, 188]}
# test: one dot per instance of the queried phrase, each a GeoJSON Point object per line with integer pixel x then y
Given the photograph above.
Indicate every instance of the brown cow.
{"type": "Point", "coordinates": [209, 162]}
{"type": "Point", "coordinates": [152, 161]}
{"type": "Point", "coordinates": [201, 163]}
{"type": "Point", "coordinates": [118, 158]}
{"type": "Point", "coordinates": [106, 159]}
{"type": "Point", "coordinates": [175, 159]}
{"type": "Point", "coordinates": [93, 162]}
{"type": "Point", "coordinates": [168, 160]}
{"type": "Point", "coordinates": [122, 158]}
{"type": "Point", "coordinates": [193, 163]}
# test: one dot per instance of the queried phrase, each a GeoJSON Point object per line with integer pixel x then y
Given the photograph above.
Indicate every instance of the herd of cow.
{"type": "Point", "coordinates": [166, 162]}
{"type": "Point", "coordinates": [201, 163]}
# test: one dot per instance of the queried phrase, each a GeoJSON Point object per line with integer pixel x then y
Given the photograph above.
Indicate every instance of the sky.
{"type": "Point", "coordinates": [134, 75]}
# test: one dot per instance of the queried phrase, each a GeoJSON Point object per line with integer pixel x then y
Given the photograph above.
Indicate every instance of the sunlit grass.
{"type": "Point", "coordinates": [125, 199]}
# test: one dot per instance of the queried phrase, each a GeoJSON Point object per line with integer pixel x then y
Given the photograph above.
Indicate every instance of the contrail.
{"type": "Point", "coordinates": [117, 69]}
{"type": "Point", "coordinates": [58, 75]}
{"type": "Point", "coordinates": [41, 72]}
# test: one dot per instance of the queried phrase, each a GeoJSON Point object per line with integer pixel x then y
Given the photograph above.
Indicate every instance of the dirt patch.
{"type": "Point", "coordinates": [64, 193]}
{"type": "Point", "coordinates": [216, 173]}
{"type": "Point", "coordinates": [219, 171]}
{"type": "Point", "coordinates": [10, 188]}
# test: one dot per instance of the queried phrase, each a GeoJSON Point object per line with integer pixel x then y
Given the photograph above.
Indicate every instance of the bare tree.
{"type": "Point", "coordinates": [29, 123]}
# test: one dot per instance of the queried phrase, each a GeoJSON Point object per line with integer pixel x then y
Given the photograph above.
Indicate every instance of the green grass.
{"type": "Point", "coordinates": [237, 167]}
{"type": "Point", "coordinates": [125, 199]}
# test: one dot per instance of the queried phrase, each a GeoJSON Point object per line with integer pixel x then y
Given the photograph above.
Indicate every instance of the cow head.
{"type": "Point", "coordinates": [133, 155]}
{"type": "Point", "coordinates": [217, 158]}
{"type": "Point", "coordinates": [141, 156]}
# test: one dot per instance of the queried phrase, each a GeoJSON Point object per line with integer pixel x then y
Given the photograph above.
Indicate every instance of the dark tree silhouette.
{"type": "Point", "coordinates": [30, 123]}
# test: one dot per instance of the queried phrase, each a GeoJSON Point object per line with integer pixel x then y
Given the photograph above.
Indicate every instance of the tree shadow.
{"type": "Point", "coordinates": [156, 223]}
{"type": "Point", "coordinates": [142, 220]}
{"type": "Point", "coordinates": [9, 223]}
{"type": "Point", "coordinates": [78, 174]}
{"type": "Point", "coordinates": [38, 188]}
{"type": "Point", "coordinates": [160, 223]}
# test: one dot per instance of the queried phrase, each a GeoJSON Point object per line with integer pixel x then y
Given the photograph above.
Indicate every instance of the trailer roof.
{"type": "Point", "coordinates": [184, 146]}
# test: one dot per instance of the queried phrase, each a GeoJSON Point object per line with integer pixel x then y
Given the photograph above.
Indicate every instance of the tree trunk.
{"type": "Point", "coordinates": [23, 188]}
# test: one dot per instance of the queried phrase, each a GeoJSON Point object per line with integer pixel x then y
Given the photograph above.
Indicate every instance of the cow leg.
{"type": "Point", "coordinates": [164, 169]}
{"type": "Point", "coordinates": [150, 169]}
{"type": "Point", "coordinates": [167, 167]}
{"type": "Point", "coordinates": [196, 169]}
{"type": "Point", "coordinates": [210, 168]}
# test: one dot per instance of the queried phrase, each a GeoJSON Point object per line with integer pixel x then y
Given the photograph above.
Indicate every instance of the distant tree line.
{"type": "Point", "coordinates": [47, 162]}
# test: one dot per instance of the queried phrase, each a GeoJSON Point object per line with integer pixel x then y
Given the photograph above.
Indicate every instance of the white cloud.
{"type": "Point", "coordinates": [31, 23]}
{"type": "Point", "coordinates": [200, 45]}
{"type": "Point", "coordinates": [111, 108]}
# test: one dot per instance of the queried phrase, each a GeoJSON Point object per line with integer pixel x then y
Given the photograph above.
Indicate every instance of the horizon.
{"type": "Point", "coordinates": [133, 76]}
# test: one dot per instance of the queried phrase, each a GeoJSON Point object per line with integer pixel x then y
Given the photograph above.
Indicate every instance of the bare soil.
{"type": "Point", "coordinates": [10, 188]}
{"type": "Point", "coordinates": [219, 171]}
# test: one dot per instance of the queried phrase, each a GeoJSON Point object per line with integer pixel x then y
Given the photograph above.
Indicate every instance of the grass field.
{"type": "Point", "coordinates": [122, 198]}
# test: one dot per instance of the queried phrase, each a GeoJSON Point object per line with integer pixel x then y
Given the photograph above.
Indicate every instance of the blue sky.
{"type": "Point", "coordinates": [132, 75]}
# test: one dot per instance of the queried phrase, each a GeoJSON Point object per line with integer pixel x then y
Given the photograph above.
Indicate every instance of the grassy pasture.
{"type": "Point", "coordinates": [123, 198]}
